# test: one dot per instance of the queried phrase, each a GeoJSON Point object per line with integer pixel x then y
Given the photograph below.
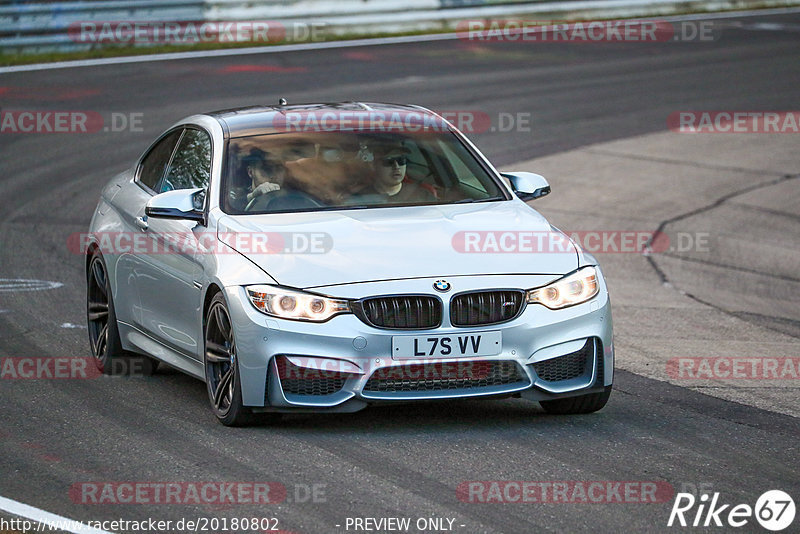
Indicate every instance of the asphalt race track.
{"type": "Point", "coordinates": [396, 461]}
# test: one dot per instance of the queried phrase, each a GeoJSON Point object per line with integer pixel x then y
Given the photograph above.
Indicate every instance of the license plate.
{"type": "Point", "coordinates": [447, 346]}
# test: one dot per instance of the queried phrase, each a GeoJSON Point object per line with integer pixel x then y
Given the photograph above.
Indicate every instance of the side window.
{"type": "Point", "coordinates": [155, 162]}
{"type": "Point", "coordinates": [418, 166]}
{"type": "Point", "coordinates": [464, 174]}
{"type": "Point", "coordinates": [191, 165]}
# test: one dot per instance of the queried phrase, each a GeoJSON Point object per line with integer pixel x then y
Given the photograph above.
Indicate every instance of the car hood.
{"type": "Point", "coordinates": [317, 249]}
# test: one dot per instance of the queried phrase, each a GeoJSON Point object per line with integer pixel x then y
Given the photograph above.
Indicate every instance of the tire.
{"type": "Point", "coordinates": [221, 366]}
{"type": "Point", "coordinates": [104, 339]}
{"type": "Point", "coordinates": [577, 405]}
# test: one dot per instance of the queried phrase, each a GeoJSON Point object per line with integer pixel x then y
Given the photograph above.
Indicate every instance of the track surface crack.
{"type": "Point", "coordinates": [708, 207]}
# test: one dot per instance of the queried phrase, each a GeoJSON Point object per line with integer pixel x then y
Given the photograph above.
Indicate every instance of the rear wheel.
{"type": "Point", "coordinates": [576, 405]}
{"type": "Point", "coordinates": [222, 368]}
{"type": "Point", "coordinates": [109, 356]}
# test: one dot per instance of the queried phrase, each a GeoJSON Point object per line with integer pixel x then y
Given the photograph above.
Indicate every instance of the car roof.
{"type": "Point", "coordinates": [260, 120]}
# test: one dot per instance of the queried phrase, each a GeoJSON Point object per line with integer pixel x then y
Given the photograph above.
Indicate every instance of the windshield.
{"type": "Point", "coordinates": [304, 171]}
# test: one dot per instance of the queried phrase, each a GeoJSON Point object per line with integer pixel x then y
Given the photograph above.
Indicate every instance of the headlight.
{"type": "Point", "coordinates": [296, 305]}
{"type": "Point", "coordinates": [569, 291]}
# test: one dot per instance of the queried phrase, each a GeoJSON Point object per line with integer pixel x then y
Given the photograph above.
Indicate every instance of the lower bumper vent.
{"type": "Point", "coordinates": [445, 376]}
{"type": "Point", "coordinates": [567, 367]}
{"type": "Point", "coordinates": [303, 381]}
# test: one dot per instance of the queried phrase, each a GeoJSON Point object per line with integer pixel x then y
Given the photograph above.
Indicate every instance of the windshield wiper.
{"type": "Point", "coordinates": [471, 200]}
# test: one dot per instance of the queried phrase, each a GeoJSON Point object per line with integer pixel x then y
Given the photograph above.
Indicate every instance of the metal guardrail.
{"type": "Point", "coordinates": [42, 27]}
{"type": "Point", "coordinates": [50, 25]}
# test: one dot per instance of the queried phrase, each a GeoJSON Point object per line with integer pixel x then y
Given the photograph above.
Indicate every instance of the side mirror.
{"type": "Point", "coordinates": [185, 204]}
{"type": "Point", "coordinates": [527, 186]}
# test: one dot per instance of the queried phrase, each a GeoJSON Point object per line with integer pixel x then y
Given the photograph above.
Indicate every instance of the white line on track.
{"type": "Point", "coordinates": [11, 285]}
{"type": "Point", "coordinates": [46, 518]}
{"type": "Point", "coordinates": [338, 44]}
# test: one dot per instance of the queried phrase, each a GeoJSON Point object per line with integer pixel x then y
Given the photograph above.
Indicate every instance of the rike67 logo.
{"type": "Point", "coordinates": [774, 510]}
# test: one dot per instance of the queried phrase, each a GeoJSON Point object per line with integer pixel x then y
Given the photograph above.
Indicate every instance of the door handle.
{"type": "Point", "coordinates": [141, 222]}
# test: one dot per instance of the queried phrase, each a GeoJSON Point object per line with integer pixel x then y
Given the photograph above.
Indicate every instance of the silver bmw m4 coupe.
{"type": "Point", "coordinates": [321, 258]}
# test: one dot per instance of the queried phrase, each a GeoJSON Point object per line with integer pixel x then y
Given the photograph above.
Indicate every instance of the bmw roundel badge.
{"type": "Point", "coordinates": [443, 286]}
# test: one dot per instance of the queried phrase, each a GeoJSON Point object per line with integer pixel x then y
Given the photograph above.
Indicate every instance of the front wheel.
{"type": "Point", "coordinates": [222, 368]}
{"type": "Point", "coordinates": [576, 405]}
{"type": "Point", "coordinates": [109, 356]}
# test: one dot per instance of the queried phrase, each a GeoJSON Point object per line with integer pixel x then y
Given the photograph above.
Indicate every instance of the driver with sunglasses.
{"type": "Point", "coordinates": [391, 182]}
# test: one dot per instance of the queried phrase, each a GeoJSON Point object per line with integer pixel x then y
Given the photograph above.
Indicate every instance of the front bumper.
{"type": "Point", "coordinates": [538, 360]}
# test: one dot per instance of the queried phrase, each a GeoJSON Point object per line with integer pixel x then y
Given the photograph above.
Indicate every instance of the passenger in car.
{"type": "Point", "coordinates": [390, 183]}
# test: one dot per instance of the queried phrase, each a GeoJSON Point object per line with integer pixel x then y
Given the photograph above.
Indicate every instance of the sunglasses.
{"type": "Point", "coordinates": [390, 161]}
